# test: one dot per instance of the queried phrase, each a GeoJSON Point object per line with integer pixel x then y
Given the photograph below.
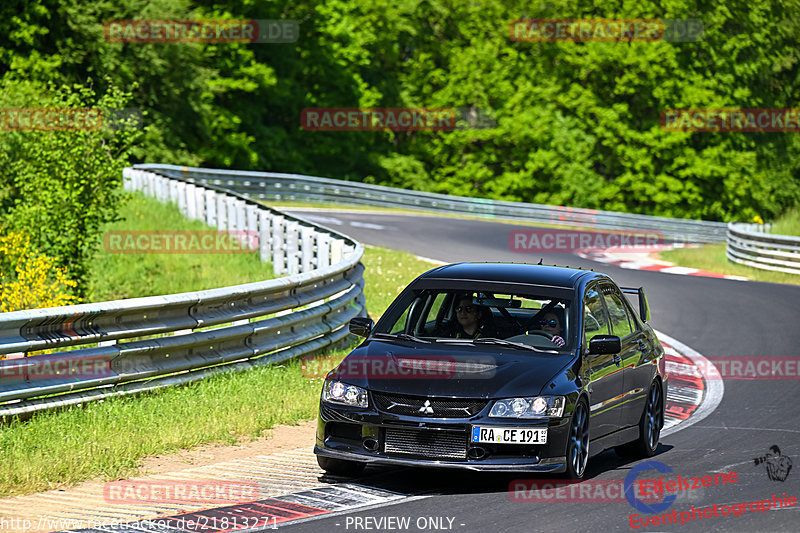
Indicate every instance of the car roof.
{"type": "Point", "coordinates": [554, 276]}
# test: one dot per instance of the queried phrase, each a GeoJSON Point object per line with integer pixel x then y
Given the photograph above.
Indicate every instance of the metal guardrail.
{"type": "Point", "coordinates": [197, 333]}
{"type": "Point", "coordinates": [752, 245]}
{"type": "Point", "coordinates": [294, 187]}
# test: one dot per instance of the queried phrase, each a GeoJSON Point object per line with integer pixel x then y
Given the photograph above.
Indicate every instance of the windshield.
{"type": "Point", "coordinates": [443, 315]}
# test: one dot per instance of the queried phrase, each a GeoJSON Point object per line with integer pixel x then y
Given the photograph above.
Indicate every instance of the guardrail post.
{"type": "Point", "coordinates": [251, 226]}
{"type": "Point", "coordinates": [181, 198]}
{"type": "Point", "coordinates": [240, 221]}
{"type": "Point", "coordinates": [278, 246]}
{"type": "Point", "coordinates": [133, 182]}
{"type": "Point", "coordinates": [323, 250]}
{"type": "Point", "coordinates": [211, 207]}
{"type": "Point", "coordinates": [307, 249]}
{"type": "Point", "coordinates": [191, 204]}
{"type": "Point", "coordinates": [164, 187]}
{"type": "Point", "coordinates": [149, 184]}
{"type": "Point", "coordinates": [222, 211]}
{"type": "Point", "coordinates": [200, 202]}
{"type": "Point", "coordinates": [292, 248]}
{"type": "Point", "coordinates": [337, 246]}
{"type": "Point", "coordinates": [127, 179]}
{"type": "Point", "coordinates": [264, 236]}
{"type": "Point", "coordinates": [232, 219]}
{"type": "Point", "coordinates": [172, 191]}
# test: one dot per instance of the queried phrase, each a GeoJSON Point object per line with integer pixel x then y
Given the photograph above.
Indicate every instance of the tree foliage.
{"type": "Point", "coordinates": [576, 123]}
{"type": "Point", "coordinates": [60, 187]}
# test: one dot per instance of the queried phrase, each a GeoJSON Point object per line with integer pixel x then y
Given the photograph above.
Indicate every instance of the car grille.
{"type": "Point", "coordinates": [426, 443]}
{"type": "Point", "coordinates": [434, 408]}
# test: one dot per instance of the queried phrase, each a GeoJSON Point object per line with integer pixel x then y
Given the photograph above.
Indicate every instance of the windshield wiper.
{"type": "Point", "coordinates": [402, 336]}
{"type": "Point", "coordinates": [503, 342]}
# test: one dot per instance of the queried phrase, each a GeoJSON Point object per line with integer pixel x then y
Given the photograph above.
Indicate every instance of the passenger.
{"type": "Point", "coordinates": [551, 323]}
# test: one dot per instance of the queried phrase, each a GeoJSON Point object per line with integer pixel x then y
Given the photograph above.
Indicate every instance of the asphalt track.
{"type": "Point", "coordinates": [716, 317]}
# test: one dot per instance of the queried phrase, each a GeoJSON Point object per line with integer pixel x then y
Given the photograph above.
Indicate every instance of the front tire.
{"type": "Point", "coordinates": [650, 426]}
{"type": "Point", "coordinates": [578, 442]}
{"type": "Point", "coordinates": [340, 467]}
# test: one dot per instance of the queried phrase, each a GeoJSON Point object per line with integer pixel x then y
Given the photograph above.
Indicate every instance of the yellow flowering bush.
{"type": "Point", "coordinates": [29, 279]}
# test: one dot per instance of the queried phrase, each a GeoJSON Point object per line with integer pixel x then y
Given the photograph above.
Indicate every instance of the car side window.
{"type": "Point", "coordinates": [400, 324]}
{"type": "Point", "coordinates": [436, 306]}
{"type": "Point", "coordinates": [595, 321]}
{"type": "Point", "coordinates": [621, 323]}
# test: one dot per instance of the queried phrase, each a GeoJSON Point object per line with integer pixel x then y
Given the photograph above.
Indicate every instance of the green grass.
{"type": "Point", "coordinates": [109, 439]}
{"type": "Point", "coordinates": [122, 275]}
{"type": "Point", "coordinates": [788, 224]}
{"type": "Point", "coordinates": [712, 258]}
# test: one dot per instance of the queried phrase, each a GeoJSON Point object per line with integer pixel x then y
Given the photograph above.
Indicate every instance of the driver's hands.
{"type": "Point", "coordinates": [558, 341]}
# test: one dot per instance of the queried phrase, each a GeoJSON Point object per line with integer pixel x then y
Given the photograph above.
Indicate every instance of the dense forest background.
{"type": "Point", "coordinates": [576, 123]}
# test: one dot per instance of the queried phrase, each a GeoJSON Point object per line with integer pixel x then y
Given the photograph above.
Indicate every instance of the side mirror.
{"type": "Point", "coordinates": [603, 344]}
{"type": "Point", "coordinates": [361, 326]}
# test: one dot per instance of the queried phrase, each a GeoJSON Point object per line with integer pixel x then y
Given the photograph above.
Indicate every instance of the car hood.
{"type": "Point", "coordinates": [448, 370]}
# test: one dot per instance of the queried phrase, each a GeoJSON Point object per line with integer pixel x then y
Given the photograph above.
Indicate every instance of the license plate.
{"type": "Point", "coordinates": [509, 435]}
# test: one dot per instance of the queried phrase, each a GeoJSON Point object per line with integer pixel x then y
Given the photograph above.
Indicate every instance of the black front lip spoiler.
{"type": "Point", "coordinates": [482, 467]}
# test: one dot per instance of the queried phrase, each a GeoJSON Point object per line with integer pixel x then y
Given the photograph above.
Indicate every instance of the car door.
{"type": "Point", "coordinates": [635, 377]}
{"type": "Point", "coordinates": [603, 371]}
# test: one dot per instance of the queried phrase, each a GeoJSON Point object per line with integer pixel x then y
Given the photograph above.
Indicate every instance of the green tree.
{"type": "Point", "coordinates": [60, 187]}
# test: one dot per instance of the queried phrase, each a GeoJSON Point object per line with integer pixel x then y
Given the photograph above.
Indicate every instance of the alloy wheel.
{"type": "Point", "coordinates": [653, 417]}
{"type": "Point", "coordinates": [579, 440]}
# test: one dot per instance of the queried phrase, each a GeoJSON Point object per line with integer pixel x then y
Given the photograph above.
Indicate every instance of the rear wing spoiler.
{"type": "Point", "coordinates": [644, 308]}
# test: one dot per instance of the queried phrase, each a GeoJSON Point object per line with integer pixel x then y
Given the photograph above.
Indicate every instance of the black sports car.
{"type": "Point", "coordinates": [499, 367]}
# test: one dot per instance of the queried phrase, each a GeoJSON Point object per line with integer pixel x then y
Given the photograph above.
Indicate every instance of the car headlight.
{"type": "Point", "coordinates": [535, 407]}
{"type": "Point", "coordinates": [338, 392]}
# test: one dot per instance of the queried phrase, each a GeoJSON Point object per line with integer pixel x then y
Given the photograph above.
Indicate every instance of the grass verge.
{"type": "Point", "coordinates": [788, 224]}
{"type": "Point", "coordinates": [108, 439]}
{"type": "Point", "coordinates": [128, 275]}
{"type": "Point", "coordinates": [712, 257]}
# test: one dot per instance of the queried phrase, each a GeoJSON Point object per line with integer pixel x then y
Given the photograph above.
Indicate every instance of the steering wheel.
{"type": "Point", "coordinates": [540, 332]}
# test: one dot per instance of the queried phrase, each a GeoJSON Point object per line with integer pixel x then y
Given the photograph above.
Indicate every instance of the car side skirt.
{"type": "Point", "coordinates": [622, 436]}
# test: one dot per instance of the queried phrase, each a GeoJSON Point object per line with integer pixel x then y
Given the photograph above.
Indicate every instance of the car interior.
{"type": "Point", "coordinates": [512, 317]}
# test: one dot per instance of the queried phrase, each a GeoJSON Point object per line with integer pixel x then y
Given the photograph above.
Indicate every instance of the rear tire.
{"type": "Point", "coordinates": [650, 426]}
{"type": "Point", "coordinates": [340, 467]}
{"type": "Point", "coordinates": [577, 452]}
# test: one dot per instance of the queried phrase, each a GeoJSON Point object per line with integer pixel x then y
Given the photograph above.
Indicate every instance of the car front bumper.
{"type": "Point", "coordinates": [344, 432]}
